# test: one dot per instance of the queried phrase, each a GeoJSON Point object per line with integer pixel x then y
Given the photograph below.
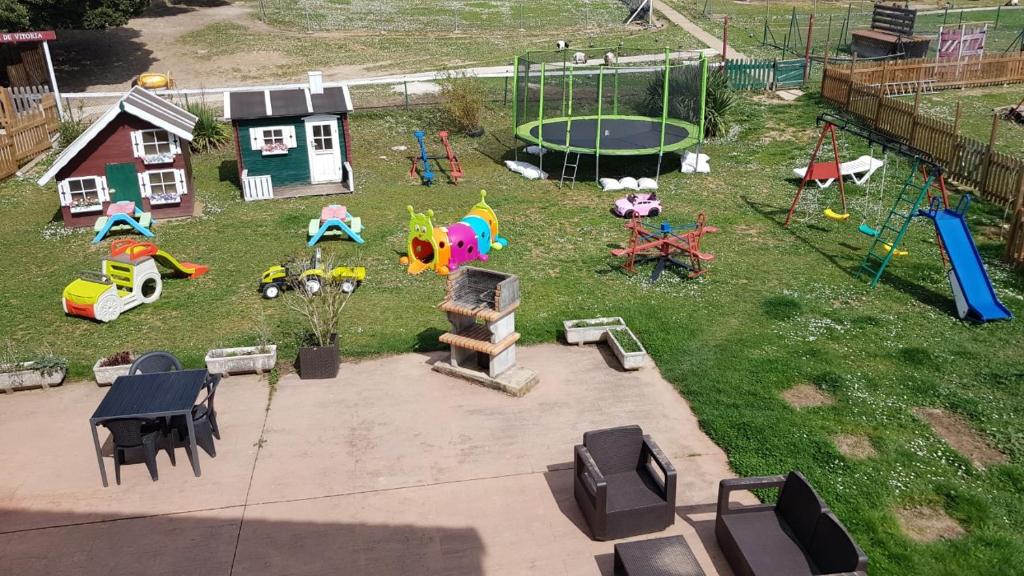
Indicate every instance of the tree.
{"type": "Point", "coordinates": [20, 15]}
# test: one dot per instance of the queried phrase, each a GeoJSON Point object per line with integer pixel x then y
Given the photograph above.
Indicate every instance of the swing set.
{"type": "Point", "coordinates": [913, 194]}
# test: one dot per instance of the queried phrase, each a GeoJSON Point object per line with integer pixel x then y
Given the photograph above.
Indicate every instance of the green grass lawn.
{"type": "Point", "coordinates": [777, 308]}
{"type": "Point", "coordinates": [420, 35]}
{"type": "Point", "coordinates": [747, 30]}
{"type": "Point", "coordinates": [976, 108]}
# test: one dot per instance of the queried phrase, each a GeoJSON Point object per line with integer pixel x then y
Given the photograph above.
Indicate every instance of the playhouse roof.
{"type": "Point", "coordinates": [275, 103]}
{"type": "Point", "coordinates": [140, 103]}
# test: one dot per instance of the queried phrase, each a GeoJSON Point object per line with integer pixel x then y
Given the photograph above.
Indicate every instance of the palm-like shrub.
{"type": "Point", "coordinates": [209, 133]}
{"type": "Point", "coordinates": [684, 97]}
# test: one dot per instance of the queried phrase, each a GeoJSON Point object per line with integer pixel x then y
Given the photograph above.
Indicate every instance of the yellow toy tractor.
{"type": "Point", "coordinates": [309, 277]}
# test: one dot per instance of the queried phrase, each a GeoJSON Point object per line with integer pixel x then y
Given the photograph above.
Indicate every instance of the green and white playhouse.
{"type": "Point", "coordinates": [292, 141]}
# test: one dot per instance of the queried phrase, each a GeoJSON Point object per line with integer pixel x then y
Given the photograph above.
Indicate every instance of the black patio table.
{"type": "Point", "coordinates": [152, 396]}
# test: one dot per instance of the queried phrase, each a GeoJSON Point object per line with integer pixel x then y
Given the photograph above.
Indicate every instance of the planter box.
{"type": "Point", "coordinates": [245, 360]}
{"type": "Point", "coordinates": [28, 378]}
{"type": "Point", "coordinates": [629, 360]}
{"type": "Point", "coordinates": [590, 330]}
{"type": "Point", "coordinates": [318, 362]}
{"type": "Point", "coordinates": [105, 375]}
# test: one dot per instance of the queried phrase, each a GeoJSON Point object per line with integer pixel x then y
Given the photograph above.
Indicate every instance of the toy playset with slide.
{"type": "Point", "coordinates": [427, 175]}
{"type": "Point", "coordinates": [444, 249]}
{"type": "Point", "coordinates": [129, 278]}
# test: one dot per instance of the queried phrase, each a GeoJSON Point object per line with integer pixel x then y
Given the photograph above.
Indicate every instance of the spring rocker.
{"type": "Point", "coordinates": [665, 246]}
{"type": "Point", "coordinates": [129, 277]}
{"type": "Point", "coordinates": [122, 217]}
{"type": "Point", "coordinates": [444, 248]}
{"type": "Point", "coordinates": [335, 220]}
{"type": "Point", "coordinates": [427, 175]}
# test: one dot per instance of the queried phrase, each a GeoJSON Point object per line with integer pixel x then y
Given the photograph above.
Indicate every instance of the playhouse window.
{"type": "Point", "coordinates": [323, 138]}
{"type": "Point", "coordinates": [164, 186]}
{"type": "Point", "coordinates": [83, 194]}
{"type": "Point", "coordinates": [156, 142]}
{"type": "Point", "coordinates": [273, 137]}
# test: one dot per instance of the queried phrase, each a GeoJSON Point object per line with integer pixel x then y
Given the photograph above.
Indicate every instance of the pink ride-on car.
{"type": "Point", "coordinates": [643, 204]}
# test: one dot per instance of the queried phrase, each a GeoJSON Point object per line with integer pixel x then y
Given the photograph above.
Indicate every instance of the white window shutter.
{"type": "Point", "coordinates": [137, 143]}
{"type": "Point", "coordinates": [256, 138]}
{"type": "Point", "coordinates": [143, 185]}
{"type": "Point", "coordinates": [289, 136]}
{"type": "Point", "coordinates": [175, 144]}
{"type": "Point", "coordinates": [102, 191]}
{"type": "Point", "coordinates": [179, 181]}
{"type": "Point", "coordinates": [65, 193]}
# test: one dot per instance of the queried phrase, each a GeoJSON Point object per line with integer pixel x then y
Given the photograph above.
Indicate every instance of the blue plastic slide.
{"type": "Point", "coordinates": [971, 286]}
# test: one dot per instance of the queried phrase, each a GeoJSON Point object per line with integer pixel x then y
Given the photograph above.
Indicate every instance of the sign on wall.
{"type": "Point", "coordinates": [963, 41]}
{"type": "Point", "coordinates": [37, 36]}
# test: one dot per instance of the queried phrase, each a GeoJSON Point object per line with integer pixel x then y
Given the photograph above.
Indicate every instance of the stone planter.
{"type": "Point", "coordinates": [105, 375]}
{"type": "Point", "coordinates": [245, 360]}
{"type": "Point", "coordinates": [28, 378]}
{"type": "Point", "coordinates": [319, 362]}
{"type": "Point", "coordinates": [622, 339]}
{"type": "Point", "coordinates": [590, 330]}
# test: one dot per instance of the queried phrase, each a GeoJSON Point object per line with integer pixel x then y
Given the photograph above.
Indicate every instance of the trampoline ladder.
{"type": "Point", "coordinates": [574, 164]}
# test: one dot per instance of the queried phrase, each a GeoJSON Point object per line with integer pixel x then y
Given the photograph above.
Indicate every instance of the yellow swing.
{"type": "Point", "coordinates": [865, 228]}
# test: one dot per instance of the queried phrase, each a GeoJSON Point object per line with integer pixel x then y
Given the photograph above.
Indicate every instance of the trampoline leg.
{"type": "Point", "coordinates": [657, 173]}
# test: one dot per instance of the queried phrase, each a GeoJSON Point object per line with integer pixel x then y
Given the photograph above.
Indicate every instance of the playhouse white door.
{"type": "Point", "coordinates": [324, 150]}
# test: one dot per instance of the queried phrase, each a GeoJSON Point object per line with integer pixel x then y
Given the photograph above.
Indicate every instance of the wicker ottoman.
{"type": "Point", "coordinates": [669, 556]}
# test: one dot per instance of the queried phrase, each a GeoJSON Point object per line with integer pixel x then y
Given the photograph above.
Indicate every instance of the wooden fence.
{"type": "Point", "coordinates": [988, 70]}
{"type": "Point", "coordinates": [25, 98]}
{"type": "Point", "coordinates": [25, 135]}
{"type": "Point", "coordinates": [764, 74]}
{"type": "Point", "coordinates": [995, 176]}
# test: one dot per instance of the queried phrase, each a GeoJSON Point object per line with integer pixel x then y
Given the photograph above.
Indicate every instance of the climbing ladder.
{"type": "Point", "coordinates": [574, 164]}
{"type": "Point", "coordinates": [887, 239]}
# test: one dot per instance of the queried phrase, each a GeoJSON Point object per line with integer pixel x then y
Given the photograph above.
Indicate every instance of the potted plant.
{"type": "Point", "coordinates": [246, 359]}
{"type": "Point", "coordinates": [590, 330]}
{"type": "Point", "coordinates": [627, 347]}
{"type": "Point", "coordinates": [321, 308]}
{"type": "Point", "coordinates": [41, 371]}
{"type": "Point", "coordinates": [106, 370]}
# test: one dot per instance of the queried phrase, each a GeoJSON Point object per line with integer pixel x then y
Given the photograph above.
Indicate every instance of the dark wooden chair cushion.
{"type": "Point", "coordinates": [615, 450]}
{"type": "Point", "coordinates": [632, 491]}
{"type": "Point", "coordinates": [800, 506]}
{"type": "Point", "coordinates": [766, 546]}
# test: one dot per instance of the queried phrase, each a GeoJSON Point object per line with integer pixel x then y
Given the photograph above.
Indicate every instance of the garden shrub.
{"type": "Point", "coordinates": [684, 98]}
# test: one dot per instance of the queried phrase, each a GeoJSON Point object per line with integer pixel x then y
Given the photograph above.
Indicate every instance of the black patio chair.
{"type": "Point", "coordinates": [135, 438]}
{"type": "Point", "coordinates": [154, 362]}
{"type": "Point", "coordinates": [617, 487]}
{"type": "Point", "coordinates": [204, 422]}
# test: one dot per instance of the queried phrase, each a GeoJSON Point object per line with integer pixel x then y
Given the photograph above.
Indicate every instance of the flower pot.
{"type": "Point", "coordinates": [318, 362]}
{"type": "Point", "coordinates": [245, 360]}
{"type": "Point", "coordinates": [105, 375]}
{"type": "Point", "coordinates": [590, 330]}
{"type": "Point", "coordinates": [26, 377]}
{"type": "Point", "coordinates": [626, 347]}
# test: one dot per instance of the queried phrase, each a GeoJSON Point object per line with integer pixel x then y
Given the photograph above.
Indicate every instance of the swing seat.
{"type": "Point", "coordinates": [868, 230]}
{"type": "Point", "coordinates": [829, 213]}
{"type": "Point", "coordinates": [888, 248]}
{"type": "Point", "coordinates": [824, 173]}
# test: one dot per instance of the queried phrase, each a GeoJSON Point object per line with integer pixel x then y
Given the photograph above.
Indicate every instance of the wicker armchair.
{"type": "Point", "coordinates": [617, 487]}
{"type": "Point", "coordinates": [797, 536]}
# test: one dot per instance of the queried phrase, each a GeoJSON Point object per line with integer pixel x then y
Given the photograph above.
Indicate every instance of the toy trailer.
{"type": "Point", "coordinates": [292, 141]}
{"type": "Point", "coordinates": [891, 35]}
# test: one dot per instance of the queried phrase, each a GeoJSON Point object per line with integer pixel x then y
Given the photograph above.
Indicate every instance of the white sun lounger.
{"type": "Point", "coordinates": [864, 166]}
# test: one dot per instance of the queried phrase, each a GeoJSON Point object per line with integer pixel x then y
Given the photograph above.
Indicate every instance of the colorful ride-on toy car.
{"type": "Point", "coordinates": [310, 277]}
{"type": "Point", "coordinates": [643, 204]}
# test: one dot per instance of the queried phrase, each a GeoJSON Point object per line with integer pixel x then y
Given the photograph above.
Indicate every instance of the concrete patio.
{"type": "Point", "coordinates": [388, 469]}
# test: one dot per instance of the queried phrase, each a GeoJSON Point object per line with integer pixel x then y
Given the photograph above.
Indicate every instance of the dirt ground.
{"type": "Point", "coordinates": [108, 60]}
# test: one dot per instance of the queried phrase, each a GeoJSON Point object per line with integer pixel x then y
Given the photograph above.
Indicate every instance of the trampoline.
{"type": "Point", "coordinates": [620, 135]}
{"type": "Point", "coordinates": [590, 104]}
